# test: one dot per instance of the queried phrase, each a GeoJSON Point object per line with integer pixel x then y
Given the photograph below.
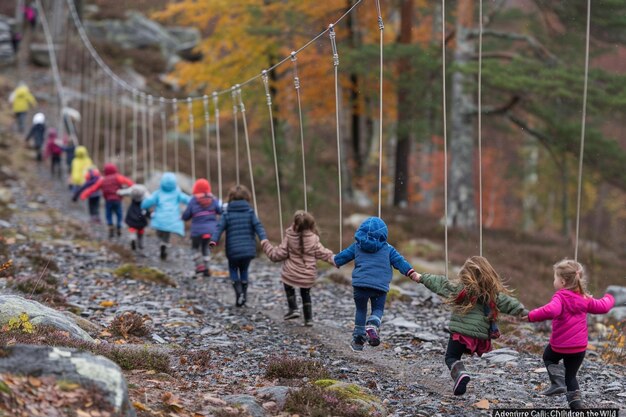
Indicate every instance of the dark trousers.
{"type": "Point", "coordinates": [305, 293]}
{"type": "Point", "coordinates": [362, 297]}
{"type": "Point", "coordinates": [454, 352]}
{"type": "Point", "coordinates": [571, 361]}
{"type": "Point", "coordinates": [238, 269]}
{"type": "Point", "coordinates": [94, 207]}
{"type": "Point", "coordinates": [21, 118]}
{"type": "Point", "coordinates": [111, 207]}
{"type": "Point", "coordinates": [201, 244]}
{"type": "Point", "coordinates": [55, 165]}
{"type": "Point", "coordinates": [164, 237]}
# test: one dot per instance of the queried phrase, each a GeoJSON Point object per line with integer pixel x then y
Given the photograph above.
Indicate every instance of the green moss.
{"type": "Point", "coordinates": [325, 383]}
{"type": "Point", "coordinates": [5, 388]}
{"type": "Point", "coordinates": [144, 273]}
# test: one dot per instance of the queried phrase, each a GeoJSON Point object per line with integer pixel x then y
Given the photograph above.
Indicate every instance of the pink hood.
{"type": "Point", "coordinates": [568, 312]}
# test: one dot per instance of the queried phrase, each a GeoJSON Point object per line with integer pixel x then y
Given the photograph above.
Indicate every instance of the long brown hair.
{"type": "Point", "coordinates": [573, 274]}
{"type": "Point", "coordinates": [303, 221]}
{"type": "Point", "coordinates": [481, 284]}
{"type": "Point", "coordinates": [238, 192]}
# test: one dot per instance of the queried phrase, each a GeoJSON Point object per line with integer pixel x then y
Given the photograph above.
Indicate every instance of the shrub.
{"type": "Point", "coordinates": [144, 273]}
{"type": "Point", "coordinates": [614, 347]}
{"type": "Point", "coordinates": [130, 323]}
{"type": "Point", "coordinates": [315, 401]}
{"type": "Point", "coordinates": [42, 287]}
{"type": "Point", "coordinates": [292, 368]}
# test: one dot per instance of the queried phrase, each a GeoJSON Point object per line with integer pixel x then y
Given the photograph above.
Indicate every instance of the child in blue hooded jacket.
{"type": "Point", "coordinates": [373, 258]}
{"type": "Point", "coordinates": [166, 216]}
{"type": "Point", "coordinates": [241, 226]}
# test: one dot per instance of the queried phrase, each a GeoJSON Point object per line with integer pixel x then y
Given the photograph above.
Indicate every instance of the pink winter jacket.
{"type": "Point", "coordinates": [568, 312]}
{"type": "Point", "coordinates": [299, 270]}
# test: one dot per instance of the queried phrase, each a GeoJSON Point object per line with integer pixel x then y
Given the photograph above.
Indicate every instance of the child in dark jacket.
{"type": "Point", "coordinates": [241, 226]}
{"type": "Point", "coordinates": [92, 176]}
{"type": "Point", "coordinates": [136, 217]}
{"type": "Point", "coordinates": [568, 311]}
{"type": "Point", "coordinates": [54, 152]}
{"type": "Point", "coordinates": [373, 258]}
{"type": "Point", "coordinates": [202, 210]}
{"type": "Point", "coordinates": [476, 299]}
{"type": "Point", "coordinates": [110, 184]}
{"type": "Point", "coordinates": [37, 133]}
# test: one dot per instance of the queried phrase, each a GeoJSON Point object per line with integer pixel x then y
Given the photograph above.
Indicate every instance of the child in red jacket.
{"type": "Point", "coordinates": [110, 184]}
{"type": "Point", "coordinates": [54, 151]}
{"type": "Point", "coordinates": [568, 311]}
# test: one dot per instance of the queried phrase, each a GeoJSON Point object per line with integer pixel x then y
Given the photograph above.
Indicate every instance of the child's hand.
{"type": "Point", "coordinates": [415, 277]}
{"type": "Point", "coordinates": [524, 318]}
{"type": "Point", "coordinates": [263, 241]}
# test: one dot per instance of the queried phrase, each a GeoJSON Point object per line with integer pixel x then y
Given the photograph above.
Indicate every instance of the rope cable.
{"type": "Point", "coordinates": [123, 133]}
{"type": "Point", "coordinates": [247, 139]}
{"type": "Point", "coordinates": [219, 146]}
{"type": "Point", "coordinates": [268, 96]}
{"type": "Point", "coordinates": [113, 137]}
{"type": "Point", "coordinates": [333, 43]}
{"type": "Point", "coordinates": [480, 125]}
{"type": "Point", "coordinates": [144, 135]}
{"type": "Point", "coordinates": [445, 132]}
{"type": "Point", "coordinates": [582, 128]}
{"type": "Point", "coordinates": [234, 95]}
{"type": "Point", "coordinates": [163, 132]}
{"type": "Point", "coordinates": [207, 136]}
{"type": "Point", "coordinates": [96, 148]}
{"type": "Point", "coordinates": [175, 110]}
{"type": "Point", "coordinates": [192, 147]}
{"type": "Point", "coordinates": [151, 134]}
{"type": "Point", "coordinates": [296, 83]}
{"type": "Point", "coordinates": [381, 27]}
{"type": "Point", "coordinates": [135, 134]}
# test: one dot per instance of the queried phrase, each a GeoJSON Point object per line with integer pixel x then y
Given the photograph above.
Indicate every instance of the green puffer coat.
{"type": "Point", "coordinates": [474, 323]}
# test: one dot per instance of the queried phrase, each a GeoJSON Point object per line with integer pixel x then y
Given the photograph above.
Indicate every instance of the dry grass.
{"type": "Point", "coordinates": [43, 288]}
{"type": "Point", "coordinates": [318, 402]}
{"type": "Point", "coordinates": [130, 323]}
{"type": "Point", "coordinates": [295, 368]}
{"type": "Point", "coordinates": [144, 273]}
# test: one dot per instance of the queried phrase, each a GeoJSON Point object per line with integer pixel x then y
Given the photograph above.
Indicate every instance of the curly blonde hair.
{"type": "Point", "coordinates": [481, 284]}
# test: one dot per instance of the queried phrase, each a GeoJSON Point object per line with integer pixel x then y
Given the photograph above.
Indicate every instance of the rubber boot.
{"type": "Point", "coordinates": [163, 252]}
{"type": "Point", "coordinates": [238, 293]}
{"type": "Point", "coordinates": [139, 241]}
{"type": "Point", "coordinates": [207, 270]}
{"type": "Point", "coordinates": [244, 293]}
{"type": "Point", "coordinates": [307, 309]}
{"type": "Point", "coordinates": [133, 244]}
{"type": "Point", "coordinates": [293, 308]}
{"type": "Point", "coordinates": [556, 373]}
{"type": "Point", "coordinates": [460, 377]}
{"type": "Point", "coordinates": [111, 232]}
{"type": "Point", "coordinates": [199, 265]}
{"type": "Point", "coordinates": [574, 400]}
{"type": "Point", "coordinates": [119, 231]}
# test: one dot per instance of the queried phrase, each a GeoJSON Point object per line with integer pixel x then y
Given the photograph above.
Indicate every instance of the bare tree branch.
{"type": "Point", "coordinates": [493, 111]}
{"type": "Point", "coordinates": [543, 138]}
{"type": "Point", "coordinates": [497, 55]}
{"type": "Point", "coordinates": [540, 49]}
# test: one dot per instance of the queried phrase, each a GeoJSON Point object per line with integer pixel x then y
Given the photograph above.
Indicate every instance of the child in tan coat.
{"type": "Point", "coordinates": [300, 250]}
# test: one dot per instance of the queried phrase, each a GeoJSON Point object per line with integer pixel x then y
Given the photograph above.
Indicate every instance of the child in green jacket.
{"type": "Point", "coordinates": [476, 299]}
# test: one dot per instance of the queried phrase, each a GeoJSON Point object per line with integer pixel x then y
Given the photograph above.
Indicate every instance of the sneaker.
{"type": "Point", "coordinates": [163, 252]}
{"type": "Point", "coordinates": [461, 385]}
{"type": "Point", "coordinates": [241, 300]}
{"type": "Point", "coordinates": [357, 344]}
{"type": "Point", "coordinates": [372, 335]}
{"type": "Point", "coordinates": [308, 323]}
{"type": "Point", "coordinates": [207, 273]}
{"type": "Point", "coordinates": [292, 314]}
{"type": "Point", "coordinates": [119, 231]}
{"type": "Point", "coordinates": [133, 245]}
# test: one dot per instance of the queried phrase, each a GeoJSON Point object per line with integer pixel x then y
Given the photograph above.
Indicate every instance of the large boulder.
{"type": "Point", "coordinates": [619, 311]}
{"type": "Point", "coordinates": [12, 306]}
{"type": "Point", "coordinates": [7, 56]}
{"type": "Point", "coordinates": [83, 368]}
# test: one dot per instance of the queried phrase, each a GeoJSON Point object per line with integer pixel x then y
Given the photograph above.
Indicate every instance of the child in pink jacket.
{"type": "Point", "coordinates": [568, 311]}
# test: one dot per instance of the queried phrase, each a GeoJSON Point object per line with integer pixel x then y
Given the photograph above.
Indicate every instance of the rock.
{"type": "Point", "coordinates": [12, 306]}
{"type": "Point", "coordinates": [86, 325]}
{"type": "Point", "coordinates": [6, 196]}
{"type": "Point", "coordinates": [4, 224]}
{"type": "Point", "coordinates": [214, 401]}
{"type": "Point", "coordinates": [7, 56]}
{"type": "Point", "coordinates": [400, 322]}
{"type": "Point", "coordinates": [277, 394]}
{"type": "Point", "coordinates": [248, 403]}
{"type": "Point", "coordinates": [428, 337]}
{"type": "Point", "coordinates": [72, 365]}
{"type": "Point", "coordinates": [619, 293]}
{"type": "Point", "coordinates": [618, 313]}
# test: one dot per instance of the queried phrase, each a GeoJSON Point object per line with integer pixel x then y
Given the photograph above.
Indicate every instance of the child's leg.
{"type": "Point", "coordinates": [108, 212]}
{"type": "Point", "coordinates": [117, 207]}
{"type": "Point", "coordinates": [556, 372]}
{"type": "Point", "coordinates": [233, 269]}
{"type": "Point", "coordinates": [94, 206]}
{"type": "Point", "coordinates": [454, 352]}
{"type": "Point", "coordinates": [133, 237]}
{"type": "Point", "coordinates": [292, 303]}
{"type": "Point", "coordinates": [140, 233]}
{"type": "Point", "coordinates": [361, 297]}
{"type": "Point", "coordinates": [243, 273]}
{"type": "Point", "coordinates": [572, 364]}
{"type": "Point", "coordinates": [377, 301]}
{"type": "Point", "coordinates": [307, 306]}
{"type": "Point", "coordinates": [164, 237]}
{"type": "Point", "coordinates": [196, 242]}
{"type": "Point", "coordinates": [206, 254]}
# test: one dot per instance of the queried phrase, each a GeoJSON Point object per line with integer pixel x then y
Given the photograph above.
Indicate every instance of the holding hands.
{"type": "Point", "coordinates": [415, 277]}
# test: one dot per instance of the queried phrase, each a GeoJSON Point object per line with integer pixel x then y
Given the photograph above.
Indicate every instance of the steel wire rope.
{"type": "Point", "coordinates": [192, 147]}
{"type": "Point", "coordinates": [582, 128]}
{"type": "Point", "coordinates": [135, 135]}
{"type": "Point", "coordinates": [381, 28]}
{"type": "Point", "coordinates": [207, 137]}
{"type": "Point", "coordinates": [333, 43]}
{"type": "Point", "coordinates": [219, 146]}
{"type": "Point", "coordinates": [268, 96]}
{"type": "Point", "coordinates": [480, 128]}
{"type": "Point", "coordinates": [445, 132]}
{"type": "Point", "coordinates": [144, 135]}
{"type": "Point", "coordinates": [296, 84]}
{"type": "Point", "coordinates": [176, 138]}
{"type": "Point", "coordinates": [242, 108]}
{"type": "Point", "coordinates": [113, 138]}
{"type": "Point", "coordinates": [123, 133]}
{"type": "Point", "coordinates": [163, 132]}
{"type": "Point", "coordinates": [236, 133]}
{"type": "Point", "coordinates": [151, 134]}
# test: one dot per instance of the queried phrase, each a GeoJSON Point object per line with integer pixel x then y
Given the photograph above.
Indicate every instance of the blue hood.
{"type": "Point", "coordinates": [371, 235]}
{"type": "Point", "coordinates": [168, 182]}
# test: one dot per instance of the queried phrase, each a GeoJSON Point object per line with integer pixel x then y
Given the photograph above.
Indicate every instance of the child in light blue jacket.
{"type": "Point", "coordinates": [373, 258]}
{"type": "Point", "coordinates": [166, 216]}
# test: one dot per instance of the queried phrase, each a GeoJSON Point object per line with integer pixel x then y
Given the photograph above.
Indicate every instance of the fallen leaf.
{"type": "Point", "coordinates": [81, 413]}
{"type": "Point", "coordinates": [107, 303]}
{"type": "Point", "coordinates": [35, 382]}
{"type": "Point", "coordinates": [104, 333]}
{"type": "Point", "coordinates": [140, 406]}
{"type": "Point", "coordinates": [482, 404]}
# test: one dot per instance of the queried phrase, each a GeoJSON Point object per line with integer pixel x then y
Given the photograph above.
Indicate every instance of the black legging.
{"type": "Point", "coordinates": [305, 293]}
{"type": "Point", "coordinates": [571, 361]}
{"type": "Point", "coordinates": [200, 243]}
{"type": "Point", "coordinates": [454, 352]}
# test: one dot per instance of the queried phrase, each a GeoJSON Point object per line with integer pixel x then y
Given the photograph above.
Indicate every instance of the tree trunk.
{"type": "Point", "coordinates": [462, 210]}
{"type": "Point", "coordinates": [403, 149]}
{"type": "Point", "coordinates": [529, 202]}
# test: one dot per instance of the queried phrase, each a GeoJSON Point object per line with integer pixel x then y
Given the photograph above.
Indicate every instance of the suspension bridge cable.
{"type": "Point", "coordinates": [247, 139]}
{"type": "Point", "coordinates": [296, 83]}
{"type": "Point", "coordinates": [234, 95]}
{"type": "Point", "coordinates": [333, 43]}
{"type": "Point", "coordinates": [135, 134]}
{"type": "Point", "coordinates": [123, 133]}
{"type": "Point", "coordinates": [107, 120]}
{"type": "Point", "coordinates": [163, 132]}
{"type": "Point", "coordinates": [480, 130]}
{"type": "Point", "coordinates": [207, 136]}
{"type": "Point", "coordinates": [144, 135]}
{"type": "Point", "coordinates": [381, 27]}
{"type": "Point", "coordinates": [113, 148]}
{"type": "Point", "coordinates": [151, 133]}
{"type": "Point", "coordinates": [582, 128]}
{"type": "Point", "coordinates": [445, 131]}
{"type": "Point", "coordinates": [98, 116]}
{"type": "Point", "coordinates": [175, 111]}
{"type": "Point", "coordinates": [192, 147]}
{"type": "Point", "coordinates": [219, 146]}
{"type": "Point", "coordinates": [268, 96]}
